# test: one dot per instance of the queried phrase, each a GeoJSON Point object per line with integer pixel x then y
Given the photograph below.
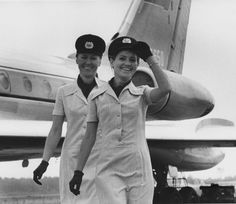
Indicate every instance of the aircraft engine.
{"type": "Point", "coordinates": [187, 99]}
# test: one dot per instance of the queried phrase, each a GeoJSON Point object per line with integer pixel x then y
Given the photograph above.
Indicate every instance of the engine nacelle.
{"type": "Point", "coordinates": [188, 99]}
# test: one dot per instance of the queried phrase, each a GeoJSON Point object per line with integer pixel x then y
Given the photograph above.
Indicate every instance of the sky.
{"type": "Point", "coordinates": [210, 60]}
{"type": "Point", "coordinates": [209, 54]}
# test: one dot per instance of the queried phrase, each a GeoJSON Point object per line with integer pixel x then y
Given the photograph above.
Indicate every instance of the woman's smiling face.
{"type": "Point", "coordinates": [88, 64]}
{"type": "Point", "coordinates": [125, 65]}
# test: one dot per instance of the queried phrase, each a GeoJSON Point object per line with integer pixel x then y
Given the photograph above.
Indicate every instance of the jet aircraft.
{"type": "Point", "coordinates": [28, 86]}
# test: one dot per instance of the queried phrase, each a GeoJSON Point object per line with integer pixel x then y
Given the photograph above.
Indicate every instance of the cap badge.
{"type": "Point", "coordinates": [89, 45]}
{"type": "Point", "coordinates": [126, 40]}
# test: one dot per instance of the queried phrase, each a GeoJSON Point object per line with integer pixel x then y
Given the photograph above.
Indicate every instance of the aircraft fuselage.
{"type": "Point", "coordinates": [28, 90]}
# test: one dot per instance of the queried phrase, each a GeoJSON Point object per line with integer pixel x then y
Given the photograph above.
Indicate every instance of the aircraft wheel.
{"type": "Point", "coordinates": [169, 195]}
{"type": "Point", "coordinates": [25, 163]}
{"type": "Point", "coordinates": [189, 195]}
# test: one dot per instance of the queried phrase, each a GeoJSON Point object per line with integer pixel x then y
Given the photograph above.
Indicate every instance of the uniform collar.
{"type": "Point", "coordinates": [99, 82]}
{"type": "Point", "coordinates": [130, 87]}
{"type": "Point", "coordinates": [107, 88]}
{"type": "Point", "coordinates": [73, 87]}
{"type": "Point", "coordinates": [117, 89]}
{"type": "Point", "coordinates": [133, 89]}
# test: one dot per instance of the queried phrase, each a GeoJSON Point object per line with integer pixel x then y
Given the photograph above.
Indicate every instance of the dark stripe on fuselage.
{"type": "Point", "coordinates": [35, 72]}
{"type": "Point", "coordinates": [27, 97]}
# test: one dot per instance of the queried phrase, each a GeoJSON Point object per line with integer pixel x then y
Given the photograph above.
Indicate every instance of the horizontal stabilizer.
{"type": "Point", "coordinates": [213, 123]}
{"type": "Point", "coordinates": [212, 132]}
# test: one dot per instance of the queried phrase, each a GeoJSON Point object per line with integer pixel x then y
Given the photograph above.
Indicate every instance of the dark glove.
{"type": "Point", "coordinates": [76, 182]}
{"type": "Point", "coordinates": [38, 173]}
{"type": "Point", "coordinates": [142, 49]}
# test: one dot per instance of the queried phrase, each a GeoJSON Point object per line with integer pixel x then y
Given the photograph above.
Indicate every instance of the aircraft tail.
{"type": "Point", "coordinates": [163, 25]}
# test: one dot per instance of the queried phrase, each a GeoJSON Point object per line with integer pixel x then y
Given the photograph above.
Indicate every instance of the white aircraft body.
{"type": "Point", "coordinates": [28, 86]}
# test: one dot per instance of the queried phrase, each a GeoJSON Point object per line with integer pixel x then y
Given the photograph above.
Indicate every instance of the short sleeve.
{"type": "Point", "coordinates": [147, 95]}
{"type": "Point", "coordinates": [92, 111]}
{"type": "Point", "coordinates": [59, 107]}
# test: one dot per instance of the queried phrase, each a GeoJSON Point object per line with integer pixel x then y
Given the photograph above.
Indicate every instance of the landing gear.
{"type": "Point", "coordinates": [160, 176]}
{"type": "Point", "coordinates": [189, 195]}
{"type": "Point", "coordinates": [169, 195]}
{"type": "Point", "coordinates": [25, 163]}
{"type": "Point", "coordinates": [164, 194]}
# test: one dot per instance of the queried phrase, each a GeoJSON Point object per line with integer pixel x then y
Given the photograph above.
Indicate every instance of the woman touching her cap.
{"type": "Point", "coordinates": [124, 171]}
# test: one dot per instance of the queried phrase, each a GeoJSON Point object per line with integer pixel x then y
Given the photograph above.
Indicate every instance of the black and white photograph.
{"type": "Point", "coordinates": [117, 101]}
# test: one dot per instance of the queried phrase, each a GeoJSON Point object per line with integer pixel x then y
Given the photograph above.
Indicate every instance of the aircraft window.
{"type": "Point", "coordinates": [163, 3]}
{"type": "Point", "coordinates": [47, 88]}
{"type": "Point", "coordinates": [27, 84]}
{"type": "Point", "coordinates": [4, 80]}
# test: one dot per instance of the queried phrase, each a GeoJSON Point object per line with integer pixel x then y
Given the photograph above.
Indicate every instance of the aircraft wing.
{"type": "Point", "coordinates": [211, 132]}
{"type": "Point", "coordinates": [189, 145]}
{"type": "Point", "coordinates": [24, 139]}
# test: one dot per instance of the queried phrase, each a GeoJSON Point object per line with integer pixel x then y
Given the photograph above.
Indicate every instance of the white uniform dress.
{"type": "Point", "coordinates": [71, 103]}
{"type": "Point", "coordinates": [124, 171]}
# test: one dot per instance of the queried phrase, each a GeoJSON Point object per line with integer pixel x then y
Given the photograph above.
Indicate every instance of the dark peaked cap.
{"type": "Point", "coordinates": [90, 44]}
{"type": "Point", "coordinates": [120, 44]}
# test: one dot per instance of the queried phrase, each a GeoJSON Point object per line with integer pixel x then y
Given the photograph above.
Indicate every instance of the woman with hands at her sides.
{"type": "Point", "coordinates": [72, 105]}
{"type": "Point", "coordinates": [124, 171]}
